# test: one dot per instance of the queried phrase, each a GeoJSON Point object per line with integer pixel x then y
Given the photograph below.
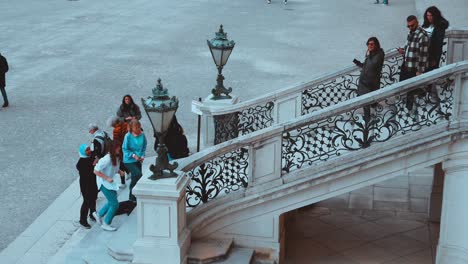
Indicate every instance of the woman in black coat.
{"type": "Point", "coordinates": [435, 25]}
{"type": "Point", "coordinates": [128, 110]}
{"type": "Point", "coordinates": [371, 69]}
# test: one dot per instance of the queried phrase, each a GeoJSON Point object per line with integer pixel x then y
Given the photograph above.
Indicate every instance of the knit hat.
{"type": "Point", "coordinates": [83, 151]}
{"type": "Point", "coordinates": [93, 126]}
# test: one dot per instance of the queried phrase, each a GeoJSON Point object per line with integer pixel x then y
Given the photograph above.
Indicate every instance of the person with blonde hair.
{"type": "Point", "coordinates": [134, 148]}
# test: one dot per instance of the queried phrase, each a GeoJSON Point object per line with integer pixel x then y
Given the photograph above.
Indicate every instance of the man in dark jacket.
{"type": "Point", "coordinates": [3, 70]}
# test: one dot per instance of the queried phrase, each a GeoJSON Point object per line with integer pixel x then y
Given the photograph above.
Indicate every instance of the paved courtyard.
{"type": "Point", "coordinates": [339, 236]}
{"type": "Point", "coordinates": [72, 61]}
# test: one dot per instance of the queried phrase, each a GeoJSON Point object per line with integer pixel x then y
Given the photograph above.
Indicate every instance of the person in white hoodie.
{"type": "Point", "coordinates": [106, 169]}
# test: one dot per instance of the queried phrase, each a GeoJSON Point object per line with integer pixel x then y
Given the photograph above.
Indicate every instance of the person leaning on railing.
{"type": "Point", "coordinates": [371, 70]}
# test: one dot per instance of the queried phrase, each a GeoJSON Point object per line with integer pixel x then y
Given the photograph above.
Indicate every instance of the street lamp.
{"type": "Point", "coordinates": [220, 48]}
{"type": "Point", "coordinates": [161, 109]}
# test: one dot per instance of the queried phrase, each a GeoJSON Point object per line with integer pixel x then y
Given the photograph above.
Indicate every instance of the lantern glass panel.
{"type": "Point", "coordinates": [225, 56]}
{"type": "Point", "coordinates": [156, 120]}
{"type": "Point", "coordinates": [167, 119]}
{"type": "Point", "coordinates": [217, 55]}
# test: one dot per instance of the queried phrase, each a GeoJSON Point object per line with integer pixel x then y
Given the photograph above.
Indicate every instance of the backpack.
{"type": "Point", "coordinates": [125, 207]}
{"type": "Point", "coordinates": [104, 140]}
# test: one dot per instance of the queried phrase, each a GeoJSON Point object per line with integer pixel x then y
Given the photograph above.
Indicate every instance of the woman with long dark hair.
{"type": "Point", "coordinates": [371, 69]}
{"type": "Point", "coordinates": [435, 25]}
{"type": "Point", "coordinates": [106, 169]}
{"type": "Point", "coordinates": [128, 110]}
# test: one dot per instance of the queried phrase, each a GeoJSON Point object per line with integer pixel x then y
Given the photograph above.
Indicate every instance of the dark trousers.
{"type": "Point", "coordinates": [123, 168]}
{"type": "Point", "coordinates": [135, 170]}
{"type": "Point", "coordinates": [404, 75]}
{"type": "Point", "coordinates": [5, 98]}
{"type": "Point", "coordinates": [89, 192]}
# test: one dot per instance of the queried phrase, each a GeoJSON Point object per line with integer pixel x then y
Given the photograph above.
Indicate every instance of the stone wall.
{"type": "Point", "coordinates": [407, 193]}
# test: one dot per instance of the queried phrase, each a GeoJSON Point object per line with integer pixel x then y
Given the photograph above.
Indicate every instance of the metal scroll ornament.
{"type": "Point", "coordinates": [360, 128]}
{"type": "Point", "coordinates": [221, 175]}
{"type": "Point", "coordinates": [230, 126]}
{"type": "Point", "coordinates": [344, 87]}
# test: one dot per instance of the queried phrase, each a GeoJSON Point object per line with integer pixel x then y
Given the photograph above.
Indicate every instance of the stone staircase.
{"type": "Point", "coordinates": [96, 246]}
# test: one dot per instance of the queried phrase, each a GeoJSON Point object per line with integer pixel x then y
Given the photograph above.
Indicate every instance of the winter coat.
{"type": "Point", "coordinates": [371, 71]}
{"type": "Point", "coordinates": [131, 110]}
{"type": "Point", "coordinates": [175, 141]}
{"type": "Point", "coordinates": [436, 42]}
{"type": "Point", "coordinates": [3, 70]}
{"type": "Point", "coordinates": [87, 177]}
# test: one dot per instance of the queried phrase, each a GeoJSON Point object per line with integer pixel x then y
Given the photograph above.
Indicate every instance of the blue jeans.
{"type": "Point", "coordinates": [110, 208]}
{"type": "Point", "coordinates": [135, 170]}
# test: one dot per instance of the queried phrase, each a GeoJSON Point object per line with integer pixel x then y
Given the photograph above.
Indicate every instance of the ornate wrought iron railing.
{"type": "Point", "coordinates": [323, 92]}
{"type": "Point", "coordinates": [356, 124]}
{"type": "Point", "coordinates": [379, 121]}
{"type": "Point", "coordinates": [217, 176]}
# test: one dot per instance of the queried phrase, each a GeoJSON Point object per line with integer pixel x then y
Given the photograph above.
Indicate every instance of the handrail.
{"type": "Point", "coordinates": [281, 93]}
{"type": "Point", "coordinates": [244, 118]}
{"type": "Point", "coordinates": [210, 168]}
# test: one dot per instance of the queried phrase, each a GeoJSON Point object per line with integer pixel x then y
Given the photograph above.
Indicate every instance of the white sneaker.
{"type": "Point", "coordinates": [285, 2]}
{"type": "Point", "coordinates": [127, 176]}
{"type": "Point", "coordinates": [98, 218]}
{"type": "Point", "coordinates": [122, 185]}
{"type": "Point", "coordinates": [108, 227]}
{"type": "Point", "coordinates": [268, 1]}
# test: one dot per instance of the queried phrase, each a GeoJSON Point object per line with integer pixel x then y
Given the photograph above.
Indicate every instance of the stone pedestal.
{"type": "Point", "coordinates": [205, 109]}
{"type": "Point", "coordinates": [162, 236]}
{"type": "Point", "coordinates": [453, 240]}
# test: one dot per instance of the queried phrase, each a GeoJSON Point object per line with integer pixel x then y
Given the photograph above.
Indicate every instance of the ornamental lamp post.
{"type": "Point", "coordinates": [220, 48]}
{"type": "Point", "coordinates": [161, 109]}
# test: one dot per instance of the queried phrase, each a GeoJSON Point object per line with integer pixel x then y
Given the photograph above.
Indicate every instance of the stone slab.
{"type": "Point", "coordinates": [390, 194]}
{"type": "Point", "coordinates": [206, 251]}
{"type": "Point", "coordinates": [397, 182]}
{"type": "Point", "coordinates": [361, 201]}
{"type": "Point", "coordinates": [419, 205]}
{"type": "Point", "coordinates": [238, 256]}
{"type": "Point", "coordinates": [120, 246]}
{"type": "Point", "coordinates": [420, 191]}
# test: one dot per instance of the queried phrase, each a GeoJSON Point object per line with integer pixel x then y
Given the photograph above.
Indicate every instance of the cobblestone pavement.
{"type": "Point", "coordinates": [72, 61]}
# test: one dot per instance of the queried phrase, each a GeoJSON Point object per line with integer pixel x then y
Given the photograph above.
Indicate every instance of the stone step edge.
{"type": "Point", "coordinates": [214, 257]}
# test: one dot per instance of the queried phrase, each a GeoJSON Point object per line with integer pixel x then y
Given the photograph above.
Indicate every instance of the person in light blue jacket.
{"type": "Point", "coordinates": [134, 148]}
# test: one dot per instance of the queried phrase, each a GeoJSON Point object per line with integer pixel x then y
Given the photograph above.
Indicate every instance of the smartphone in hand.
{"type": "Point", "coordinates": [358, 63]}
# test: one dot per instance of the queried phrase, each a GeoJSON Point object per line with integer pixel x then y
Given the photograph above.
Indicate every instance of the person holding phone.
{"type": "Point", "coordinates": [416, 55]}
{"type": "Point", "coordinates": [371, 70]}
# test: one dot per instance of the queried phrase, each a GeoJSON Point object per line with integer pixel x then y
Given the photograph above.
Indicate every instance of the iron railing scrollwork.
{"type": "Point", "coordinates": [230, 126]}
{"type": "Point", "coordinates": [226, 127]}
{"type": "Point", "coordinates": [360, 128]}
{"type": "Point", "coordinates": [344, 87]}
{"type": "Point", "coordinates": [256, 118]}
{"type": "Point", "coordinates": [221, 175]}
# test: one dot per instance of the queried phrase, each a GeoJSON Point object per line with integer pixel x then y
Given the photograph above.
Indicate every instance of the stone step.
{"type": "Point", "coordinates": [90, 246]}
{"type": "Point", "coordinates": [238, 256]}
{"type": "Point", "coordinates": [120, 247]}
{"type": "Point", "coordinates": [208, 251]}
